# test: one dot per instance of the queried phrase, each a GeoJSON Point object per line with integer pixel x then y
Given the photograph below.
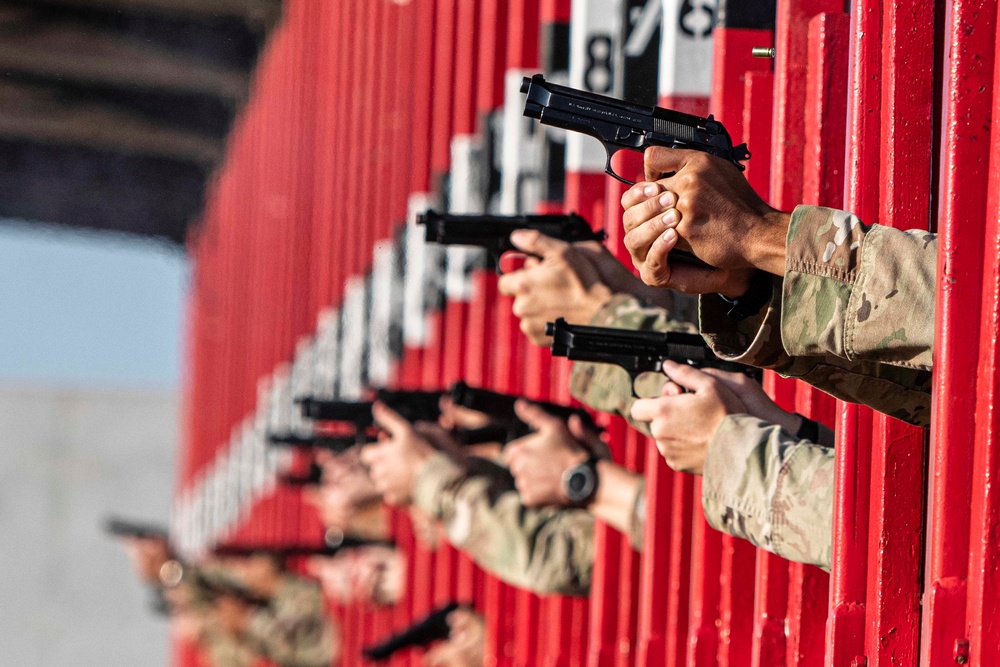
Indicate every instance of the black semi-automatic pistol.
{"type": "Point", "coordinates": [638, 352]}
{"type": "Point", "coordinates": [500, 409]}
{"type": "Point", "coordinates": [621, 125]}
{"type": "Point", "coordinates": [434, 627]}
{"type": "Point", "coordinates": [492, 232]}
{"type": "Point", "coordinates": [119, 527]}
{"type": "Point", "coordinates": [412, 405]}
{"type": "Point", "coordinates": [344, 542]}
{"type": "Point", "coordinates": [334, 443]}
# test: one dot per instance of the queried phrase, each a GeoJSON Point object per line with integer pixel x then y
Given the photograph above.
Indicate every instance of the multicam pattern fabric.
{"type": "Point", "coordinates": [218, 646]}
{"type": "Point", "coordinates": [294, 630]}
{"type": "Point", "coordinates": [853, 316]}
{"type": "Point", "coordinates": [857, 291]}
{"type": "Point", "coordinates": [224, 650]}
{"type": "Point", "coordinates": [547, 550]}
{"type": "Point", "coordinates": [607, 387]}
{"type": "Point", "coordinates": [766, 486]}
{"type": "Point", "coordinates": [735, 494]}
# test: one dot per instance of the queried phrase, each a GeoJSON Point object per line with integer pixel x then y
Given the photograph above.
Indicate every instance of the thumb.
{"type": "Point", "coordinates": [660, 160]}
{"type": "Point", "coordinates": [589, 439]}
{"type": "Point", "coordinates": [536, 243]}
{"type": "Point", "coordinates": [687, 377]}
{"type": "Point", "coordinates": [389, 420]}
{"type": "Point", "coordinates": [534, 416]}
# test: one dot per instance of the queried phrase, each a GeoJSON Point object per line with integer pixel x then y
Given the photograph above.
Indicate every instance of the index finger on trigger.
{"type": "Point", "coordinates": [511, 284]}
{"type": "Point", "coordinates": [645, 409]}
{"type": "Point", "coordinates": [388, 419]}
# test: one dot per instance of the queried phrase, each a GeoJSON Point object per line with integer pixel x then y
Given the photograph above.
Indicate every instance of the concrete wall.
{"type": "Point", "coordinates": [68, 458]}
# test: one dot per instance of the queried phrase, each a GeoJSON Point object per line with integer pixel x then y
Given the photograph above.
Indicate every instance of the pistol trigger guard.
{"type": "Point", "coordinates": [493, 262]}
{"type": "Point", "coordinates": [609, 170]}
{"type": "Point", "coordinates": [633, 377]}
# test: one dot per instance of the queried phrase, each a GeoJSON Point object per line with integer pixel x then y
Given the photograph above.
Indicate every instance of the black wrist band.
{"type": "Point", "coordinates": [758, 294]}
{"type": "Point", "coordinates": [808, 430]}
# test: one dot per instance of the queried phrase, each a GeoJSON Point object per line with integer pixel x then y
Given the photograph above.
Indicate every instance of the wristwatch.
{"type": "Point", "coordinates": [757, 296]}
{"type": "Point", "coordinates": [171, 573]}
{"type": "Point", "coordinates": [580, 482]}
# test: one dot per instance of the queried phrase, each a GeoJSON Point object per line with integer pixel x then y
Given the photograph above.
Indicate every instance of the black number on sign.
{"type": "Point", "coordinates": [697, 18]}
{"type": "Point", "coordinates": [598, 76]}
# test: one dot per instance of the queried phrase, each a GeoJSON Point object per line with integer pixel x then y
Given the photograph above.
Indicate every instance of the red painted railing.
{"type": "Point", "coordinates": [883, 109]}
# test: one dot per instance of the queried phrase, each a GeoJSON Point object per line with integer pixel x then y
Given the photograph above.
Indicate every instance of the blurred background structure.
{"type": "Point", "coordinates": [113, 116]}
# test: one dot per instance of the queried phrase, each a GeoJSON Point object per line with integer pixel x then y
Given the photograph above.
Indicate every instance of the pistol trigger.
{"type": "Point", "coordinates": [609, 170]}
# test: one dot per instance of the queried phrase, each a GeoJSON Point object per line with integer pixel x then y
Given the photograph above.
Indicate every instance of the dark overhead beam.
{"type": "Point", "coordinates": [84, 188]}
{"type": "Point", "coordinates": [259, 13]}
{"type": "Point", "coordinates": [39, 115]}
{"type": "Point", "coordinates": [67, 50]}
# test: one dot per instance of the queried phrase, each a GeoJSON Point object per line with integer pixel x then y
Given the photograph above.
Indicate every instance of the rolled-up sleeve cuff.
{"type": "Point", "coordinates": [755, 341]}
{"type": "Point", "coordinates": [823, 255]}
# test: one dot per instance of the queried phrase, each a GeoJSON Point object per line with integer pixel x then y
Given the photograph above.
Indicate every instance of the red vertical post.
{"type": "Point", "coordinates": [897, 449]}
{"type": "Point", "coordinates": [983, 610]}
{"type": "Point", "coordinates": [823, 165]}
{"type": "Point", "coordinates": [734, 39]}
{"type": "Point", "coordinates": [962, 214]}
{"type": "Point", "coordinates": [852, 480]}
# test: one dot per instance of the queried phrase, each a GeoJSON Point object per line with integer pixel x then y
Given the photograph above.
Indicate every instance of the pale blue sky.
{"type": "Point", "coordinates": [89, 309]}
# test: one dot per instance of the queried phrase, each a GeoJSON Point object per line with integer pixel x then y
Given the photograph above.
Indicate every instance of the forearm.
{"type": "Point", "coordinates": [618, 491]}
{"type": "Point", "coordinates": [903, 393]}
{"type": "Point", "coordinates": [307, 641]}
{"type": "Point", "coordinates": [547, 550]}
{"type": "Point", "coordinates": [858, 292]}
{"type": "Point", "coordinates": [765, 485]}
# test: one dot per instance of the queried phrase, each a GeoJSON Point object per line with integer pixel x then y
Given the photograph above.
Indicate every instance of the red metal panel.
{"type": "Point", "coordinates": [443, 86]}
{"type": "Point", "coordinates": [846, 628]}
{"type": "Point", "coordinates": [523, 27]}
{"type": "Point", "coordinates": [425, 35]}
{"type": "Point", "coordinates": [733, 62]}
{"type": "Point", "coordinates": [897, 461]}
{"type": "Point", "coordinates": [791, 37]}
{"type": "Point", "coordinates": [983, 615]}
{"type": "Point", "coordinates": [492, 55]}
{"type": "Point", "coordinates": [962, 216]}
{"type": "Point", "coordinates": [823, 164]}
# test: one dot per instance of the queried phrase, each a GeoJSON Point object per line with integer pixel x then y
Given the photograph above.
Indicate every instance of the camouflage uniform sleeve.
{"type": "Point", "coordinates": [226, 651]}
{"type": "Point", "coordinates": [294, 630]}
{"type": "Point", "coordinates": [901, 390]}
{"type": "Point", "coordinates": [547, 550]}
{"type": "Point", "coordinates": [607, 387]}
{"type": "Point", "coordinates": [764, 485]}
{"type": "Point", "coordinates": [857, 291]}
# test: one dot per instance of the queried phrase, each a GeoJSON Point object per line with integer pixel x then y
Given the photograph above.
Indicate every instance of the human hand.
{"type": "Point", "coordinates": [756, 401]}
{"type": "Point", "coordinates": [393, 460]}
{"type": "Point", "coordinates": [334, 575]}
{"type": "Point", "coordinates": [564, 283]}
{"type": "Point", "coordinates": [713, 212]}
{"type": "Point", "coordinates": [147, 556]}
{"type": "Point", "coordinates": [682, 424]}
{"type": "Point", "coordinates": [466, 644]}
{"type": "Point", "coordinates": [458, 416]}
{"type": "Point", "coordinates": [538, 461]}
{"type": "Point", "coordinates": [349, 475]}
{"type": "Point", "coordinates": [232, 614]}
